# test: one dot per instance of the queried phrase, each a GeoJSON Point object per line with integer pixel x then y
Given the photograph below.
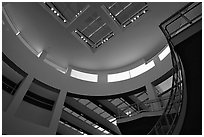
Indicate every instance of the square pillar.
{"type": "Point", "coordinates": [153, 96]}
{"type": "Point", "coordinates": [19, 95]}
{"type": "Point", "coordinates": [57, 111]}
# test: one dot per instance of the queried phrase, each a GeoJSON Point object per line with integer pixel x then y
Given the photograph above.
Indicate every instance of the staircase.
{"type": "Point", "coordinates": [183, 113]}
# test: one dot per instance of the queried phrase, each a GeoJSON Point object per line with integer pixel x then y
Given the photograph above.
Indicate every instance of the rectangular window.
{"type": "Point", "coordinates": [118, 76]}
{"type": "Point", "coordinates": [164, 53]}
{"type": "Point", "coordinates": [84, 76]}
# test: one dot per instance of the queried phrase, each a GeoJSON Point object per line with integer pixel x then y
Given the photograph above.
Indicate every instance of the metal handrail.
{"type": "Point", "coordinates": [180, 14]}
{"type": "Point", "coordinates": [175, 102]}
{"type": "Point", "coordinates": [158, 126]}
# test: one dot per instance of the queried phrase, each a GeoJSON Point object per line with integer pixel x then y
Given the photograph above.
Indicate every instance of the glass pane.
{"type": "Point", "coordinates": [75, 114]}
{"type": "Point", "coordinates": [91, 106]}
{"type": "Point", "coordinates": [67, 110]}
{"type": "Point", "coordinates": [89, 122]}
{"type": "Point", "coordinates": [82, 118]}
{"type": "Point", "coordinates": [116, 102]}
{"type": "Point", "coordinates": [98, 110]}
{"type": "Point", "coordinates": [105, 115]}
{"type": "Point", "coordinates": [84, 101]}
{"type": "Point", "coordinates": [122, 105]}
{"type": "Point", "coordinates": [100, 128]}
{"type": "Point", "coordinates": [165, 85]}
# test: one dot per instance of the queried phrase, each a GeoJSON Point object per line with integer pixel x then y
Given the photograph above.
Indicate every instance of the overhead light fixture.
{"type": "Point", "coordinates": [38, 55]}
{"type": "Point", "coordinates": [18, 33]}
{"type": "Point", "coordinates": [62, 71]}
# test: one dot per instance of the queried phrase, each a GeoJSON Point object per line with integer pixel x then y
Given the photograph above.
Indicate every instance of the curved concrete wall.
{"type": "Point", "coordinates": [27, 61]}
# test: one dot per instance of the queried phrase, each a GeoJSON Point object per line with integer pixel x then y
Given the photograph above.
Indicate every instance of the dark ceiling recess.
{"type": "Point", "coordinates": [94, 31]}
{"type": "Point", "coordinates": [125, 13]}
{"type": "Point", "coordinates": [65, 12]}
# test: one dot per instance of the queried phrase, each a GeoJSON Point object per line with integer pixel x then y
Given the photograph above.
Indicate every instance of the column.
{"type": "Point", "coordinates": [19, 95]}
{"type": "Point", "coordinates": [57, 111]}
{"type": "Point", "coordinates": [152, 96]}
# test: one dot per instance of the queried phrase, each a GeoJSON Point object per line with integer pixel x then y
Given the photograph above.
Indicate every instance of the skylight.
{"type": "Point", "coordinates": [132, 73]}
{"type": "Point", "coordinates": [124, 13]}
{"type": "Point", "coordinates": [141, 69]}
{"type": "Point", "coordinates": [84, 76]}
{"type": "Point", "coordinates": [164, 53]}
{"type": "Point", "coordinates": [137, 71]}
{"type": "Point", "coordinates": [118, 76]}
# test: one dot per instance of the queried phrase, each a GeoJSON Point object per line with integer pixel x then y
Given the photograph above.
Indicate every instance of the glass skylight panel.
{"type": "Point", "coordinates": [164, 53]}
{"type": "Point", "coordinates": [68, 110]}
{"type": "Point", "coordinates": [75, 114]}
{"type": "Point", "coordinates": [95, 126]}
{"type": "Point", "coordinates": [112, 119]}
{"type": "Point", "coordinates": [91, 106]}
{"type": "Point", "coordinates": [106, 132]}
{"type": "Point", "coordinates": [84, 76]}
{"type": "Point", "coordinates": [118, 76]}
{"type": "Point", "coordinates": [122, 106]}
{"type": "Point", "coordinates": [105, 115]}
{"type": "Point", "coordinates": [116, 102]}
{"type": "Point", "coordinates": [82, 118]}
{"type": "Point", "coordinates": [84, 101]}
{"type": "Point", "coordinates": [89, 122]}
{"type": "Point", "coordinates": [101, 129]}
{"type": "Point", "coordinates": [98, 110]}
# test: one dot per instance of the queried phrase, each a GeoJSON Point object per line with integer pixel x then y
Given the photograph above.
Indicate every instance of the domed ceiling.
{"type": "Point", "coordinates": [93, 36]}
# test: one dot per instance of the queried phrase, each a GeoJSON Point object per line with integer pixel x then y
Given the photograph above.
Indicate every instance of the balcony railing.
{"type": "Point", "coordinates": [182, 19]}
{"type": "Point", "coordinates": [174, 111]}
{"type": "Point", "coordinates": [171, 122]}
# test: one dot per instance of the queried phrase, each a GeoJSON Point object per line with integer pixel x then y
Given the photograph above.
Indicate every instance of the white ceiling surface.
{"type": "Point", "coordinates": [142, 39]}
